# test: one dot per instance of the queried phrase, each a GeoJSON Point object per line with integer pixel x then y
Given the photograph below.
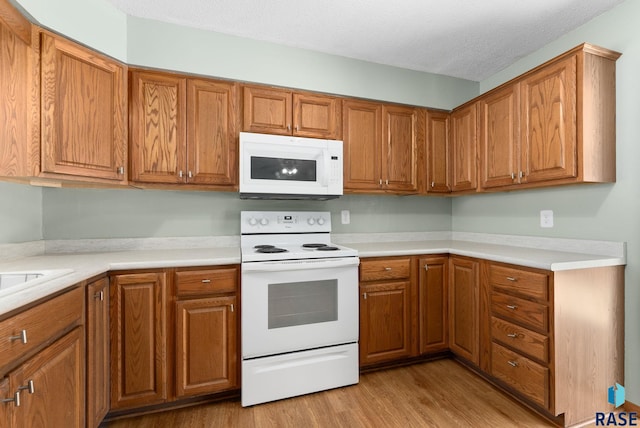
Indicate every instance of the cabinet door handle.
{"type": "Point", "coordinates": [388, 269]}
{"type": "Point", "coordinates": [512, 307]}
{"type": "Point", "coordinates": [433, 184]}
{"type": "Point", "coordinates": [232, 307]}
{"type": "Point", "coordinates": [289, 127]}
{"type": "Point", "coordinates": [15, 400]}
{"type": "Point", "coordinates": [512, 335]}
{"type": "Point", "coordinates": [121, 170]}
{"type": "Point", "coordinates": [521, 175]}
{"type": "Point", "coordinates": [512, 279]}
{"type": "Point", "coordinates": [426, 267]}
{"type": "Point", "coordinates": [381, 182]}
{"type": "Point", "coordinates": [180, 174]}
{"type": "Point", "coordinates": [512, 363]}
{"type": "Point", "coordinates": [29, 387]}
{"type": "Point", "coordinates": [364, 296]}
{"type": "Point", "coordinates": [189, 174]}
{"type": "Point", "coordinates": [21, 337]}
{"type": "Point", "coordinates": [513, 175]}
{"type": "Point", "coordinates": [386, 182]}
{"type": "Point", "coordinates": [206, 281]}
{"type": "Point", "coordinates": [99, 295]}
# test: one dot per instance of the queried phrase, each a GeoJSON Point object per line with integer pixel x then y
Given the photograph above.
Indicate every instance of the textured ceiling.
{"type": "Point", "coordinates": [470, 39]}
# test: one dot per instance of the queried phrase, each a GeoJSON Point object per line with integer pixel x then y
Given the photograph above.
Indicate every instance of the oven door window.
{"type": "Point", "coordinates": [265, 168]}
{"type": "Point", "coordinates": [301, 303]}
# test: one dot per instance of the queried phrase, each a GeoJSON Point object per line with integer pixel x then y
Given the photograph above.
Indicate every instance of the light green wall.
{"type": "Point", "coordinates": [92, 213]}
{"type": "Point", "coordinates": [173, 47]}
{"type": "Point", "coordinates": [20, 213]}
{"type": "Point", "coordinates": [608, 212]}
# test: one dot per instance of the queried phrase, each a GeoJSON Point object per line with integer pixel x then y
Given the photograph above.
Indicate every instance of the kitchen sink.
{"type": "Point", "coordinates": [20, 279]}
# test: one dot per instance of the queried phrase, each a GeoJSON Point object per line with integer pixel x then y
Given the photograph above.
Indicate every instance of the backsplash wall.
{"type": "Point", "coordinates": [20, 213]}
{"type": "Point", "coordinates": [99, 213]}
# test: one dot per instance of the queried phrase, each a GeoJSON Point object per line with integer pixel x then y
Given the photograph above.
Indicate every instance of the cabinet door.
{"type": "Point", "coordinates": [6, 407]}
{"type": "Point", "coordinates": [212, 135]}
{"type": "Point", "coordinates": [463, 308]}
{"type": "Point", "coordinates": [316, 116]}
{"type": "Point", "coordinates": [385, 317]}
{"type": "Point", "coordinates": [267, 110]}
{"type": "Point", "coordinates": [98, 370]}
{"type": "Point", "coordinates": [84, 114]}
{"type": "Point", "coordinates": [500, 138]}
{"type": "Point", "coordinates": [138, 340]}
{"type": "Point", "coordinates": [438, 152]}
{"type": "Point", "coordinates": [433, 304]}
{"type": "Point", "coordinates": [549, 122]}
{"type": "Point", "coordinates": [158, 127]}
{"type": "Point", "coordinates": [52, 386]}
{"type": "Point", "coordinates": [206, 349]}
{"type": "Point", "coordinates": [463, 148]}
{"type": "Point", "coordinates": [400, 149]}
{"type": "Point", "coordinates": [362, 133]}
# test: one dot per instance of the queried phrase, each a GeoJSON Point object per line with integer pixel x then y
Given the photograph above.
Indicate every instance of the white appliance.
{"type": "Point", "coordinates": [282, 167]}
{"type": "Point", "coordinates": [299, 306]}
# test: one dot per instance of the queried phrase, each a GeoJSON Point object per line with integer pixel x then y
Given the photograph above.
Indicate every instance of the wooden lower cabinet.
{"type": "Point", "coordinates": [138, 340]}
{"type": "Point", "coordinates": [98, 367]}
{"type": "Point", "coordinates": [206, 345]}
{"type": "Point", "coordinates": [464, 282]}
{"type": "Point", "coordinates": [433, 304]}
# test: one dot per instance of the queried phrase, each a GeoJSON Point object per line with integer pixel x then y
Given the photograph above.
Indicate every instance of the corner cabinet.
{"type": "Point", "coordinates": [463, 148]}
{"type": "Point", "coordinates": [437, 152]}
{"type": "Point", "coordinates": [183, 130]}
{"type": "Point", "coordinates": [284, 112]}
{"type": "Point", "coordinates": [382, 146]}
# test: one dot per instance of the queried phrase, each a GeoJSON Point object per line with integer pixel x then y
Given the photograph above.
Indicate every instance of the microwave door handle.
{"type": "Point", "coordinates": [327, 167]}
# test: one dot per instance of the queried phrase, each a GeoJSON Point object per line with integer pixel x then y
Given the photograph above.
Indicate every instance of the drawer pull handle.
{"type": "Point", "coordinates": [512, 307]}
{"type": "Point", "coordinates": [15, 400]}
{"type": "Point", "coordinates": [99, 295]}
{"type": "Point", "coordinates": [512, 335]}
{"type": "Point", "coordinates": [388, 269]}
{"type": "Point", "coordinates": [512, 279]}
{"type": "Point", "coordinates": [21, 337]}
{"type": "Point", "coordinates": [206, 281]}
{"type": "Point", "coordinates": [512, 363]}
{"type": "Point", "coordinates": [29, 387]}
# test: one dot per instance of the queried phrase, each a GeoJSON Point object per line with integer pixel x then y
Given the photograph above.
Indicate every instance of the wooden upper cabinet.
{"type": "Point", "coordinates": [183, 130]}
{"type": "Point", "coordinates": [463, 148]}
{"type": "Point", "coordinates": [83, 111]}
{"type": "Point", "coordinates": [500, 138]}
{"type": "Point", "coordinates": [362, 123]}
{"type": "Point", "coordinates": [437, 152]}
{"type": "Point", "coordinates": [158, 127]}
{"type": "Point", "coordinates": [549, 132]}
{"type": "Point", "coordinates": [400, 148]}
{"type": "Point", "coordinates": [212, 132]}
{"type": "Point", "coordinates": [284, 112]}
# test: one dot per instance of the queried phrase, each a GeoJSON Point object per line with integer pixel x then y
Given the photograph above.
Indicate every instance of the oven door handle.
{"type": "Point", "coordinates": [289, 265]}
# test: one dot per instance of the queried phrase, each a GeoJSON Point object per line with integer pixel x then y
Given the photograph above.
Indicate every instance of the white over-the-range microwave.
{"type": "Point", "coordinates": [284, 167]}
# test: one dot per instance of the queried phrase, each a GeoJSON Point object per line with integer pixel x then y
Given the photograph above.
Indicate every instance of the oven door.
{"type": "Point", "coordinates": [294, 305]}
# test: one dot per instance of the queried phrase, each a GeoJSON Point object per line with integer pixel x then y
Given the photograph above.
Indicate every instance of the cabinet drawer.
{"type": "Point", "coordinates": [206, 281]}
{"type": "Point", "coordinates": [526, 341]}
{"type": "Point", "coordinates": [528, 377]}
{"type": "Point", "coordinates": [379, 269]}
{"type": "Point", "coordinates": [40, 324]}
{"type": "Point", "coordinates": [526, 312]}
{"type": "Point", "coordinates": [532, 284]}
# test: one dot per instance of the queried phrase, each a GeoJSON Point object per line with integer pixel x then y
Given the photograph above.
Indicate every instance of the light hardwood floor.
{"type": "Point", "coordinates": [435, 394]}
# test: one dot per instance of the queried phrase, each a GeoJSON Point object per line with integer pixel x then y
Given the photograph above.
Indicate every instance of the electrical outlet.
{"type": "Point", "coordinates": [346, 217]}
{"type": "Point", "coordinates": [546, 218]}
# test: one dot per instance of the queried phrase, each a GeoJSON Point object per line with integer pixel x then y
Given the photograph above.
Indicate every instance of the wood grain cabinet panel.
{"type": "Point", "coordinates": [206, 348]}
{"type": "Point", "coordinates": [317, 116]}
{"type": "Point", "coordinates": [400, 148]}
{"type": "Point", "coordinates": [138, 340]}
{"type": "Point", "coordinates": [464, 308]}
{"type": "Point", "coordinates": [84, 111]}
{"type": "Point", "coordinates": [433, 304]}
{"type": "Point", "coordinates": [98, 367]}
{"type": "Point", "coordinates": [437, 153]}
{"type": "Point", "coordinates": [463, 148]}
{"type": "Point", "coordinates": [362, 132]}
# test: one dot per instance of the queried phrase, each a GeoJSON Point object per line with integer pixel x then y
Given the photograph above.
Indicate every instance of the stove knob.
{"type": "Point", "coordinates": [311, 221]}
{"type": "Point", "coordinates": [253, 221]}
{"type": "Point", "coordinates": [264, 221]}
{"type": "Point", "coordinates": [320, 221]}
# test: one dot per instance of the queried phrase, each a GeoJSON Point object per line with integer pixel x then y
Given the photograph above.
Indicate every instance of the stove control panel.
{"type": "Point", "coordinates": [284, 221]}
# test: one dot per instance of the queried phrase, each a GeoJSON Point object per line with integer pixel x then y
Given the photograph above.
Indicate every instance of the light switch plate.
{"type": "Point", "coordinates": [345, 217]}
{"type": "Point", "coordinates": [546, 218]}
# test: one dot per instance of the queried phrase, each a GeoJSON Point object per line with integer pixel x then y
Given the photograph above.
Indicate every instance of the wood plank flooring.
{"type": "Point", "coordinates": [439, 393]}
